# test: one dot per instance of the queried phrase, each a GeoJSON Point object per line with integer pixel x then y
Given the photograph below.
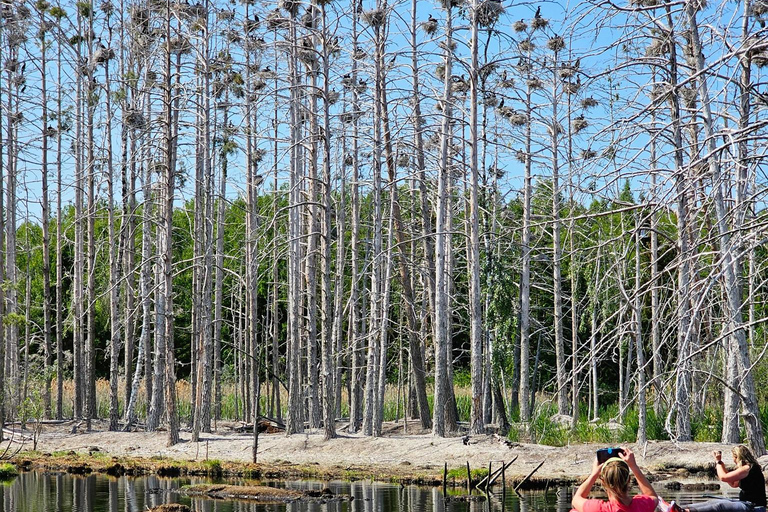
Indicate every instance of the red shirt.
{"type": "Point", "coordinates": [639, 504]}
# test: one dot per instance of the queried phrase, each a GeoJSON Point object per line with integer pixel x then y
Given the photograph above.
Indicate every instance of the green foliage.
{"type": "Point", "coordinates": [460, 473]}
{"type": "Point", "coordinates": [8, 471]}
{"type": "Point", "coordinates": [84, 9]}
{"type": "Point", "coordinates": [57, 12]}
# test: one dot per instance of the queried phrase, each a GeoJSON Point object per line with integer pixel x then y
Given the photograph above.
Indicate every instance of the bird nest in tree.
{"type": "Point", "coordinates": [350, 117]}
{"type": "Point", "coordinates": [534, 83]}
{"type": "Point", "coordinates": [348, 160]}
{"type": "Point", "coordinates": [555, 129]}
{"type": "Point", "coordinates": [180, 45]}
{"type": "Point", "coordinates": [485, 71]}
{"type": "Point", "coordinates": [429, 26]}
{"type": "Point", "coordinates": [333, 97]}
{"type": "Point", "coordinates": [459, 85]}
{"type": "Point", "coordinates": [488, 12]}
{"type": "Point", "coordinates": [291, 6]}
{"type": "Point", "coordinates": [360, 54]}
{"type": "Point", "coordinates": [657, 48]}
{"type": "Point", "coordinates": [507, 84]}
{"type": "Point", "coordinates": [760, 60]}
{"type": "Point", "coordinates": [276, 21]}
{"type": "Point", "coordinates": [258, 155]}
{"type": "Point", "coordinates": [451, 3]}
{"type": "Point", "coordinates": [520, 26]}
{"type": "Point", "coordinates": [490, 99]}
{"type": "Point", "coordinates": [539, 22]}
{"type": "Point", "coordinates": [249, 25]}
{"type": "Point", "coordinates": [194, 11]}
{"type": "Point", "coordinates": [588, 102]}
{"type": "Point", "coordinates": [225, 15]}
{"type": "Point", "coordinates": [526, 45]}
{"type": "Point", "coordinates": [567, 71]}
{"type": "Point", "coordinates": [440, 71]}
{"type": "Point", "coordinates": [579, 124]}
{"type": "Point", "coordinates": [445, 45]}
{"type": "Point", "coordinates": [135, 120]}
{"type": "Point", "coordinates": [403, 160]}
{"type": "Point", "coordinates": [556, 43]}
{"type": "Point", "coordinates": [571, 87]}
{"type": "Point", "coordinates": [375, 17]}
{"type": "Point", "coordinates": [587, 154]}
{"type": "Point", "coordinates": [518, 118]}
{"type": "Point", "coordinates": [107, 7]}
{"type": "Point", "coordinates": [521, 156]}
{"type": "Point", "coordinates": [644, 3]}
{"type": "Point", "coordinates": [759, 7]}
{"type": "Point", "coordinates": [689, 95]}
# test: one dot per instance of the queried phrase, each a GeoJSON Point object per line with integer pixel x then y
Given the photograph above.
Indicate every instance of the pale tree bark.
{"type": "Point", "coordinates": [727, 251]}
{"type": "Point", "coordinates": [115, 343]}
{"type": "Point", "coordinates": [295, 420]}
{"type": "Point", "coordinates": [681, 406]}
{"type": "Point", "coordinates": [377, 318]}
{"type": "Point", "coordinates": [525, 272]}
{"type": "Point", "coordinates": [477, 423]}
{"type": "Point", "coordinates": [442, 310]}
{"type": "Point", "coordinates": [204, 272]}
{"type": "Point", "coordinates": [45, 210]}
{"type": "Point", "coordinates": [312, 224]}
{"type": "Point", "coordinates": [59, 251]}
{"type": "Point", "coordinates": [418, 369]}
{"type": "Point", "coordinates": [642, 435]}
{"type": "Point", "coordinates": [329, 317]}
{"type": "Point", "coordinates": [557, 253]}
{"type": "Point", "coordinates": [355, 315]}
{"type": "Point", "coordinates": [164, 306]}
{"type": "Point", "coordinates": [90, 233]}
{"type": "Point", "coordinates": [10, 326]}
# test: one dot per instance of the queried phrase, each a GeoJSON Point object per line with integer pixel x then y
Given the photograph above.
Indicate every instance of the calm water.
{"type": "Point", "coordinates": [61, 492]}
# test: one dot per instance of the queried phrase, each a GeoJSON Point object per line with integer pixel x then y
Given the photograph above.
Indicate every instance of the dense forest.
{"type": "Point", "coordinates": [473, 214]}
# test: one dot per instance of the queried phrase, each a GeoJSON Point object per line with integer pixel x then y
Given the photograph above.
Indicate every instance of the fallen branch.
{"type": "Point", "coordinates": [529, 475]}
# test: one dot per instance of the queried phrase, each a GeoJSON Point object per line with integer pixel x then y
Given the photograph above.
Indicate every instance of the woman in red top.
{"type": "Point", "coordinates": [615, 476]}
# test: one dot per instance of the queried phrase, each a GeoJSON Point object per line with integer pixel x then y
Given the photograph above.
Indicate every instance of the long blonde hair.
{"type": "Point", "coordinates": [615, 476]}
{"type": "Point", "coordinates": [743, 456]}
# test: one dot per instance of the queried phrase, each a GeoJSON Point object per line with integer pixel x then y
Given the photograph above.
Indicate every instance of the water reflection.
{"type": "Point", "coordinates": [61, 492]}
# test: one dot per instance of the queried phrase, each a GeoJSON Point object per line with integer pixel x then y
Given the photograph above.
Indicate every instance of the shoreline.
{"type": "Point", "coordinates": [415, 457]}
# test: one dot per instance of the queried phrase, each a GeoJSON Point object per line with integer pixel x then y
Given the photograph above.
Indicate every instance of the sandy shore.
{"type": "Point", "coordinates": [396, 452]}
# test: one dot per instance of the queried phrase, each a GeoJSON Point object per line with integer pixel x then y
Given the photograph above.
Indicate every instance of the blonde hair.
{"type": "Point", "coordinates": [743, 456]}
{"type": "Point", "coordinates": [615, 476]}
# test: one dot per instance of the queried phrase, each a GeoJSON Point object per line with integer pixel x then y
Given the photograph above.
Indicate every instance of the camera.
{"type": "Point", "coordinates": [603, 454]}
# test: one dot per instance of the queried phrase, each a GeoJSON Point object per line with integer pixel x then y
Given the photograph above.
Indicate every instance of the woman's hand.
{"type": "Point", "coordinates": [629, 457]}
{"type": "Point", "coordinates": [718, 455]}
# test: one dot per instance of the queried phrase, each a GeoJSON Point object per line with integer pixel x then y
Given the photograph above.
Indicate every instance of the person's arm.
{"type": "Point", "coordinates": [642, 482]}
{"type": "Point", "coordinates": [731, 478]}
{"type": "Point", "coordinates": [582, 493]}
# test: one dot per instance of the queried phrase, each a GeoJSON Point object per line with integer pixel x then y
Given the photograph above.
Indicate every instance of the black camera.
{"type": "Point", "coordinates": [603, 454]}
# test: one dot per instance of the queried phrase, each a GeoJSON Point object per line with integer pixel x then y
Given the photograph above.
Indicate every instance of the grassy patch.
{"type": "Point", "coordinates": [8, 471]}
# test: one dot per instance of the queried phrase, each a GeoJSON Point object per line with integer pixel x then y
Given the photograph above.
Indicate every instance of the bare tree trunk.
{"type": "Point", "coordinates": [728, 253]}
{"type": "Point", "coordinates": [48, 363]}
{"type": "Point", "coordinates": [442, 310]}
{"type": "Point", "coordinates": [114, 251]}
{"type": "Point", "coordinates": [642, 427]}
{"type": "Point", "coordinates": [329, 317]}
{"type": "Point", "coordinates": [164, 306]}
{"type": "Point", "coordinates": [477, 423]}
{"type": "Point", "coordinates": [295, 421]}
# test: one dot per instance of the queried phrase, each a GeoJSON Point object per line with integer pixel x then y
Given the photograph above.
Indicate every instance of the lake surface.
{"type": "Point", "coordinates": [62, 492]}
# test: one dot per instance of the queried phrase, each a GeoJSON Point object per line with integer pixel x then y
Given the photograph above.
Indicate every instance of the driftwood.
{"type": "Point", "coordinates": [529, 475]}
{"type": "Point", "coordinates": [491, 478]}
